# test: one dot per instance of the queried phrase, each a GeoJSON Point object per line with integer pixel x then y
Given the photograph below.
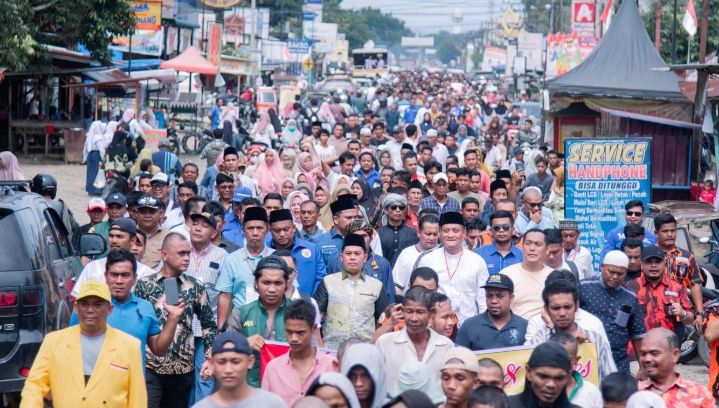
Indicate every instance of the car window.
{"type": "Point", "coordinates": [12, 247]}
{"type": "Point", "coordinates": [56, 228]}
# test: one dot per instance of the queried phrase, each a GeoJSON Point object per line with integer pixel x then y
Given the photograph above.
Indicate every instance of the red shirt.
{"type": "Point", "coordinates": [656, 300]}
{"type": "Point", "coordinates": [681, 394]}
{"type": "Point", "coordinates": [713, 363]}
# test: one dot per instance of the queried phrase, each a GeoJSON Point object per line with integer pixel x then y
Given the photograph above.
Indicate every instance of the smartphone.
{"type": "Point", "coordinates": [172, 295]}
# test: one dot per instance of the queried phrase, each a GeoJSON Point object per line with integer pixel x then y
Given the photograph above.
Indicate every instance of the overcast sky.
{"type": "Point", "coordinates": [431, 16]}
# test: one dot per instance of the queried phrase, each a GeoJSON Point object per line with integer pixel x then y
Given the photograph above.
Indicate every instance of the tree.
{"type": "Point", "coordinates": [445, 44]}
{"type": "Point", "coordinates": [682, 36]}
{"type": "Point", "coordinates": [27, 25]}
{"type": "Point", "coordinates": [365, 24]}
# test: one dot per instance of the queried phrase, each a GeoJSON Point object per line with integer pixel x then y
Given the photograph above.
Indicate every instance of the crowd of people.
{"type": "Point", "coordinates": [385, 249]}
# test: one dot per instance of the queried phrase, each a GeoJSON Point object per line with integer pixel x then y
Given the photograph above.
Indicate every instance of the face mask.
{"type": "Point", "coordinates": [291, 128]}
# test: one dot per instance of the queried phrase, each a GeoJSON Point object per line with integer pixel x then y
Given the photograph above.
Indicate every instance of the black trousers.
{"type": "Point", "coordinates": [168, 390]}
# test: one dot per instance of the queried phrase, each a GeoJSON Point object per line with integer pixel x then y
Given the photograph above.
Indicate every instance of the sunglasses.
{"type": "Point", "coordinates": [533, 205]}
{"type": "Point", "coordinates": [501, 227]}
{"type": "Point", "coordinates": [397, 207]}
{"type": "Point", "coordinates": [635, 213]}
{"type": "Point", "coordinates": [148, 202]}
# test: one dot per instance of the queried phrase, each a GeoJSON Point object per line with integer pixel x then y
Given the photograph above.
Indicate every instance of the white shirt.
{"type": "Point", "coordinates": [395, 150]}
{"type": "Point", "coordinates": [182, 229]}
{"type": "Point", "coordinates": [325, 153]}
{"type": "Point", "coordinates": [584, 319]}
{"type": "Point", "coordinates": [173, 218]}
{"type": "Point", "coordinates": [460, 278]}
{"type": "Point", "coordinates": [95, 270]}
{"type": "Point", "coordinates": [403, 267]}
{"type": "Point", "coordinates": [588, 396]}
{"type": "Point", "coordinates": [495, 157]}
{"type": "Point", "coordinates": [583, 258]}
{"type": "Point", "coordinates": [397, 349]}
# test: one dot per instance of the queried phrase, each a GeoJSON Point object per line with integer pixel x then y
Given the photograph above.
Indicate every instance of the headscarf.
{"type": "Point", "coordinates": [326, 211]}
{"type": "Point", "coordinates": [459, 135]}
{"type": "Point", "coordinates": [288, 204]}
{"type": "Point", "coordinates": [367, 201]}
{"type": "Point", "coordinates": [306, 189]}
{"type": "Point", "coordinates": [269, 177]}
{"type": "Point", "coordinates": [290, 137]}
{"type": "Point", "coordinates": [292, 155]}
{"type": "Point", "coordinates": [93, 139]}
{"type": "Point", "coordinates": [128, 115]}
{"type": "Point", "coordinates": [341, 383]}
{"type": "Point", "coordinates": [10, 170]}
{"type": "Point", "coordinates": [118, 145]}
{"type": "Point", "coordinates": [368, 357]}
{"type": "Point", "coordinates": [308, 172]}
{"type": "Point", "coordinates": [110, 130]}
{"type": "Point", "coordinates": [263, 123]}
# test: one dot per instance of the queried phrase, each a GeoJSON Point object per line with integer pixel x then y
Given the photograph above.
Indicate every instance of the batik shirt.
{"type": "Point", "coordinates": [180, 357]}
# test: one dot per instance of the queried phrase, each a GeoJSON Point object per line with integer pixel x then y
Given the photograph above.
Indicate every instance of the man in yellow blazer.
{"type": "Point", "coordinates": [89, 365]}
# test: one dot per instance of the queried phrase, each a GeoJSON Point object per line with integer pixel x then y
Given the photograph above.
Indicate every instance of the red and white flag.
{"type": "Point", "coordinates": [607, 15]}
{"type": "Point", "coordinates": [689, 22]}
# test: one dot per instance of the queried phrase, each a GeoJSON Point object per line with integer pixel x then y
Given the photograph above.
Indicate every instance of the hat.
{"type": "Point", "coordinates": [316, 123]}
{"type": "Point", "coordinates": [500, 281]}
{"type": "Point", "coordinates": [550, 354]}
{"type": "Point", "coordinates": [160, 178]}
{"type": "Point", "coordinates": [117, 198]}
{"type": "Point", "coordinates": [497, 185]}
{"type": "Point", "coordinates": [451, 217]}
{"type": "Point", "coordinates": [354, 240]}
{"type": "Point", "coordinates": [343, 202]}
{"type": "Point", "coordinates": [649, 253]}
{"type": "Point", "coordinates": [206, 217]}
{"type": "Point", "coordinates": [238, 340]}
{"type": "Point", "coordinates": [282, 214]}
{"type": "Point", "coordinates": [504, 173]}
{"type": "Point", "coordinates": [365, 131]}
{"type": "Point", "coordinates": [149, 202]}
{"type": "Point", "coordinates": [440, 176]}
{"type": "Point", "coordinates": [124, 225]}
{"type": "Point", "coordinates": [255, 214]}
{"type": "Point", "coordinates": [412, 398]}
{"type": "Point", "coordinates": [229, 150]}
{"type": "Point", "coordinates": [517, 150]}
{"type": "Point", "coordinates": [568, 225]}
{"type": "Point", "coordinates": [460, 358]}
{"type": "Point", "coordinates": [163, 142]}
{"type": "Point", "coordinates": [407, 146]}
{"type": "Point", "coordinates": [241, 193]}
{"type": "Point", "coordinates": [397, 129]}
{"type": "Point", "coordinates": [96, 203]}
{"type": "Point", "coordinates": [95, 288]}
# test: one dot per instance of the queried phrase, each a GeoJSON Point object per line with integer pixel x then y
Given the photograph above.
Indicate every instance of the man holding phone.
{"type": "Point", "coordinates": [533, 214]}
{"type": "Point", "coordinates": [170, 378]}
{"type": "Point", "coordinates": [616, 306]}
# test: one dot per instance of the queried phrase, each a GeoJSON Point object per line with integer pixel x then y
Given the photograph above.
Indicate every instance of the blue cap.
{"type": "Point", "coordinates": [241, 193]}
{"type": "Point", "coordinates": [239, 343]}
{"type": "Point", "coordinates": [117, 198]}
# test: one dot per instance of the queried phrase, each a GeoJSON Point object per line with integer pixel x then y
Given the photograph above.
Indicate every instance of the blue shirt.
{"type": "Point", "coordinates": [479, 333]}
{"type": "Point", "coordinates": [523, 223]}
{"type": "Point", "coordinates": [375, 266]}
{"type": "Point", "coordinates": [215, 117]}
{"type": "Point", "coordinates": [495, 261]}
{"type": "Point", "coordinates": [310, 265]}
{"type": "Point", "coordinates": [233, 230]}
{"type": "Point", "coordinates": [450, 205]}
{"type": "Point", "coordinates": [373, 178]}
{"type": "Point", "coordinates": [236, 275]}
{"type": "Point", "coordinates": [329, 244]}
{"type": "Point", "coordinates": [607, 305]}
{"type": "Point", "coordinates": [616, 236]}
{"type": "Point", "coordinates": [168, 162]}
{"type": "Point", "coordinates": [135, 317]}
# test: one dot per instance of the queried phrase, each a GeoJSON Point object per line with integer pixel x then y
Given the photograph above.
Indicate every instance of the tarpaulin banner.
{"type": "Point", "coordinates": [274, 349]}
{"type": "Point", "coordinates": [514, 362]}
{"type": "Point", "coordinates": [601, 175]}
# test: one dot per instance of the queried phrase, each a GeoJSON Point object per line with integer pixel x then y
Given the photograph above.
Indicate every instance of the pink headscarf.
{"type": "Point", "coordinates": [308, 172]}
{"type": "Point", "coordinates": [263, 122]}
{"type": "Point", "coordinates": [10, 170]}
{"type": "Point", "coordinates": [270, 177]}
{"type": "Point", "coordinates": [128, 115]}
{"type": "Point", "coordinates": [218, 162]}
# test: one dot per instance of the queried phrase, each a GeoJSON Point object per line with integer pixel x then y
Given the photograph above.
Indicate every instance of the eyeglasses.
{"type": "Point", "coordinates": [158, 186]}
{"type": "Point", "coordinates": [148, 202]}
{"type": "Point", "coordinates": [395, 207]}
{"type": "Point", "coordinates": [634, 213]}
{"type": "Point", "coordinates": [501, 227]}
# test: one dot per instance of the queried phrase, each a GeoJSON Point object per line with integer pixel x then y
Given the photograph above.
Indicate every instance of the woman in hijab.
{"type": "Point", "coordinates": [289, 160]}
{"type": "Point", "coordinates": [293, 202]}
{"type": "Point", "coordinates": [10, 168]}
{"type": "Point", "coordinates": [326, 212]}
{"type": "Point", "coordinates": [326, 117]}
{"type": "Point", "coordinates": [287, 187]}
{"type": "Point", "coordinates": [556, 195]}
{"type": "Point", "coordinates": [306, 189]}
{"type": "Point", "coordinates": [92, 153]}
{"type": "Point", "coordinates": [270, 173]}
{"type": "Point", "coordinates": [110, 130]}
{"type": "Point", "coordinates": [133, 128]}
{"type": "Point", "coordinates": [291, 135]}
{"type": "Point", "coordinates": [335, 390]}
{"type": "Point", "coordinates": [263, 131]}
{"type": "Point", "coordinates": [426, 123]}
{"type": "Point", "coordinates": [364, 194]}
{"type": "Point", "coordinates": [306, 165]}
{"type": "Point", "coordinates": [461, 133]}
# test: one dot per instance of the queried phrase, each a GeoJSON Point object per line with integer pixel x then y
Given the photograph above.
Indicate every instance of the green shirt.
{"type": "Point", "coordinates": [103, 229]}
{"type": "Point", "coordinates": [252, 319]}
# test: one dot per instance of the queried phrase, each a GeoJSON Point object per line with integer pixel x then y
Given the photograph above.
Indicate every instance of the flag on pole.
{"type": "Point", "coordinates": [689, 22]}
{"type": "Point", "coordinates": [607, 15]}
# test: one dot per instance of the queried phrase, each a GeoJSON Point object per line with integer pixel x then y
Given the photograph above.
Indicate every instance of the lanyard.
{"type": "Point", "coordinates": [446, 263]}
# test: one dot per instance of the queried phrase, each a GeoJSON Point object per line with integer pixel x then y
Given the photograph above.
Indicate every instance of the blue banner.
{"type": "Point", "coordinates": [601, 175]}
{"type": "Point", "coordinates": [298, 46]}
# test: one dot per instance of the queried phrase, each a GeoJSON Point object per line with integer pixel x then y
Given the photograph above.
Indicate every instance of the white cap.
{"type": "Point", "coordinates": [440, 176]}
{"type": "Point", "coordinates": [96, 203]}
{"type": "Point", "coordinates": [161, 177]}
{"type": "Point", "coordinates": [365, 131]}
{"type": "Point", "coordinates": [616, 258]}
{"type": "Point", "coordinates": [432, 132]}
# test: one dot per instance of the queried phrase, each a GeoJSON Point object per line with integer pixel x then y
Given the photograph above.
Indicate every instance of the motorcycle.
{"type": "Point", "coordinates": [174, 140]}
{"type": "Point", "coordinates": [115, 183]}
{"type": "Point", "coordinates": [193, 143]}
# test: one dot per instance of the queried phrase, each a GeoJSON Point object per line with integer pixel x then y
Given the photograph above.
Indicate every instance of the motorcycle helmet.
{"type": "Point", "coordinates": [45, 185]}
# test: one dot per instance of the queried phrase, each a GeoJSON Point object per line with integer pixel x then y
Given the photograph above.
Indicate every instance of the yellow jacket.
{"type": "Point", "coordinates": [118, 379]}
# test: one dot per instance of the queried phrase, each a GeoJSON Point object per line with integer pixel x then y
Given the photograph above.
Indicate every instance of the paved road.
{"type": "Point", "coordinates": [71, 188]}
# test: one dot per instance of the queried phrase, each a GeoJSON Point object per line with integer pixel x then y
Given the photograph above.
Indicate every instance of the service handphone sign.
{"type": "Point", "coordinates": [601, 175]}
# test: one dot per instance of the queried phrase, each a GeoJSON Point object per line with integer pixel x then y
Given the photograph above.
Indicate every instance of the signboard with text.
{"type": "Point", "coordinates": [583, 16]}
{"type": "Point", "coordinates": [601, 175]}
{"type": "Point", "coordinates": [298, 46]}
{"type": "Point", "coordinates": [148, 14]}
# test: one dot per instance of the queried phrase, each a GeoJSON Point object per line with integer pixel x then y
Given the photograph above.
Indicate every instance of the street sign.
{"type": "Point", "coordinates": [308, 64]}
{"type": "Point", "coordinates": [583, 16]}
{"type": "Point", "coordinates": [298, 46]}
{"type": "Point", "coordinates": [322, 47]}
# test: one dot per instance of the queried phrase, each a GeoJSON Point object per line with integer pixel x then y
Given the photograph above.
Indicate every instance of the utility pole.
{"type": "Point", "coordinates": [704, 32]}
{"type": "Point", "coordinates": [674, 34]}
{"type": "Point", "coordinates": [658, 25]}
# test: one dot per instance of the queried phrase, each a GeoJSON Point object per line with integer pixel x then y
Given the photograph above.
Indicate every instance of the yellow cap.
{"type": "Point", "coordinates": [95, 288]}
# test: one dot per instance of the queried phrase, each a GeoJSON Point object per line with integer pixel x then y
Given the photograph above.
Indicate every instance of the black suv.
{"type": "Point", "coordinates": [37, 262]}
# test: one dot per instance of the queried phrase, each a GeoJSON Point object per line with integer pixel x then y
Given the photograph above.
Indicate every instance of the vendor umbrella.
{"type": "Point", "coordinates": [191, 61]}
